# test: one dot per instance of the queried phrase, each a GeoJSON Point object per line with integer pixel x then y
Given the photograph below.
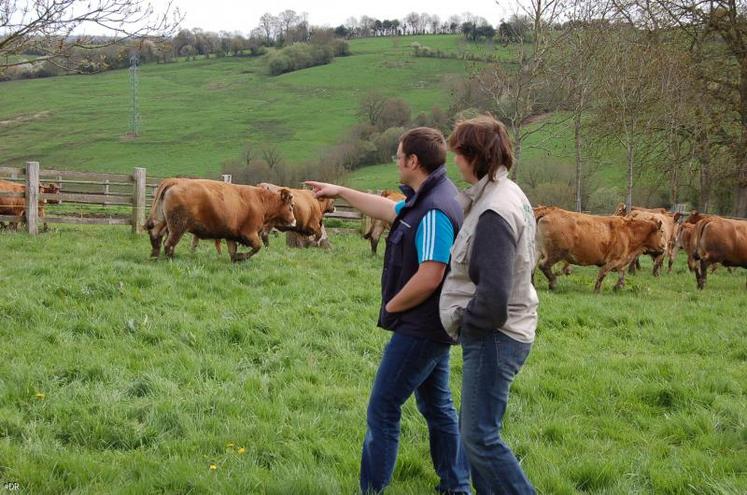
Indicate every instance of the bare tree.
{"type": "Point", "coordinates": [49, 28]}
{"type": "Point", "coordinates": [268, 24]}
{"type": "Point", "coordinates": [627, 89]}
{"type": "Point", "coordinates": [574, 66]}
{"type": "Point", "coordinates": [286, 20]}
{"type": "Point", "coordinates": [514, 88]}
{"type": "Point", "coordinates": [371, 107]}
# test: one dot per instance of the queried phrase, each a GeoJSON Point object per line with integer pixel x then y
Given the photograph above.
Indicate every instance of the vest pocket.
{"type": "Point", "coordinates": [394, 242]}
{"type": "Point", "coordinates": [462, 248]}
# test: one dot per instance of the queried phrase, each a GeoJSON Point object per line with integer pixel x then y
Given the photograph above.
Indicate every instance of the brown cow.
{"type": "Point", "coordinates": [17, 205]}
{"type": "Point", "coordinates": [719, 240]}
{"type": "Point", "coordinates": [610, 242]}
{"type": "Point", "coordinates": [217, 210]}
{"type": "Point", "coordinates": [378, 227]}
{"type": "Point", "coordinates": [683, 240]}
{"type": "Point", "coordinates": [668, 230]}
{"type": "Point", "coordinates": [539, 212]}
{"type": "Point", "coordinates": [155, 204]}
{"type": "Point", "coordinates": [309, 212]}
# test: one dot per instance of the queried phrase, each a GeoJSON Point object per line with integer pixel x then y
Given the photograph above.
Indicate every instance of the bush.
{"type": "Point", "coordinates": [395, 113]}
{"type": "Point", "coordinates": [604, 200]}
{"type": "Point", "coordinates": [386, 143]}
{"type": "Point", "coordinates": [299, 56]}
{"type": "Point", "coordinates": [279, 63]}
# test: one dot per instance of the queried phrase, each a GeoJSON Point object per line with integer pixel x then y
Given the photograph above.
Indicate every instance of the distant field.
{"type": "Point", "coordinates": [123, 375]}
{"type": "Point", "coordinates": [196, 115]}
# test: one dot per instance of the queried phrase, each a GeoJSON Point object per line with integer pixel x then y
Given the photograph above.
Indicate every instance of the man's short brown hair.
{"type": "Point", "coordinates": [427, 144]}
{"type": "Point", "coordinates": [484, 142]}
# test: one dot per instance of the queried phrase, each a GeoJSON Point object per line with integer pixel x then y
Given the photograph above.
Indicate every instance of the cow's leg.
{"type": "Point", "coordinates": [195, 243]}
{"type": "Point", "coordinates": [701, 273]}
{"type": "Point", "coordinates": [672, 257]}
{"type": "Point", "coordinates": [323, 240]}
{"type": "Point", "coordinates": [253, 241]}
{"type": "Point", "coordinates": [176, 231]}
{"type": "Point", "coordinates": [600, 277]}
{"type": "Point", "coordinates": [621, 279]}
{"type": "Point", "coordinates": [633, 266]}
{"type": "Point", "coordinates": [231, 250]}
{"type": "Point", "coordinates": [217, 246]}
{"type": "Point", "coordinates": [376, 232]}
{"type": "Point", "coordinates": [546, 268]}
{"type": "Point", "coordinates": [658, 263]}
{"type": "Point", "coordinates": [156, 235]}
{"type": "Point", "coordinates": [266, 237]}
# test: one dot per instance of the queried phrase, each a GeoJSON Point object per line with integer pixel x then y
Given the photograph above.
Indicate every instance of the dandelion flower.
{"type": "Point", "coordinates": [242, 450]}
{"type": "Point", "coordinates": [213, 467]}
{"type": "Point", "coordinates": [40, 396]}
{"type": "Point", "coordinates": [230, 445]}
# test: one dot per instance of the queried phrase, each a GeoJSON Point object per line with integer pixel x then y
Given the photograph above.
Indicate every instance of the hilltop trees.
{"type": "Point", "coordinates": [47, 28]}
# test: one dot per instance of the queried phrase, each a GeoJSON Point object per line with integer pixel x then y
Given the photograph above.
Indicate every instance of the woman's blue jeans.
{"type": "Point", "coordinates": [490, 364]}
{"type": "Point", "coordinates": [421, 366]}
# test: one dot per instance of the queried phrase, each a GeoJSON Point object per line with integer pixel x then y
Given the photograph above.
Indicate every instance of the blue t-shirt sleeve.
{"type": "Point", "coordinates": [434, 237]}
{"type": "Point", "coordinates": [398, 207]}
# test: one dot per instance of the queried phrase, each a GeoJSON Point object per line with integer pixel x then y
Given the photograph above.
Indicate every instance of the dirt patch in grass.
{"type": "Point", "coordinates": [23, 118]}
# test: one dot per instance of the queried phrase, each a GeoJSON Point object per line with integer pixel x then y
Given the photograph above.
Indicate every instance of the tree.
{"type": "Point", "coordinates": [576, 79]}
{"type": "Point", "coordinates": [371, 106]}
{"type": "Point", "coordinates": [515, 90]}
{"type": "Point", "coordinates": [268, 24]}
{"type": "Point", "coordinates": [48, 27]}
{"type": "Point", "coordinates": [627, 89]}
{"type": "Point", "coordinates": [286, 20]}
{"type": "Point", "coordinates": [413, 21]}
{"type": "Point", "coordinates": [716, 31]}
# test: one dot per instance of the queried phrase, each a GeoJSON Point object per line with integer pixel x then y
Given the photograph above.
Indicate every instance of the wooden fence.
{"type": "Point", "coordinates": [108, 193]}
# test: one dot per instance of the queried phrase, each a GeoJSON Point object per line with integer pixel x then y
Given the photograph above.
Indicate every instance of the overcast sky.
{"type": "Point", "coordinates": [243, 16]}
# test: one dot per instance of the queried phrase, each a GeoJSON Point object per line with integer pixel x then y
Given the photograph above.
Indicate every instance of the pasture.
{"type": "Point", "coordinates": [123, 375]}
{"type": "Point", "coordinates": [195, 115]}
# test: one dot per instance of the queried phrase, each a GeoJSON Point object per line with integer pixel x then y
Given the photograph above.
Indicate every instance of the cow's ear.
{"type": "Point", "coordinates": [286, 195]}
{"type": "Point", "coordinates": [658, 223]}
{"type": "Point", "coordinates": [677, 216]}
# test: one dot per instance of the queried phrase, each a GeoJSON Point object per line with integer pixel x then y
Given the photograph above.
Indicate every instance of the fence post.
{"type": "Point", "coordinates": [32, 197]}
{"type": "Point", "coordinates": [138, 200]}
{"type": "Point", "coordinates": [226, 178]}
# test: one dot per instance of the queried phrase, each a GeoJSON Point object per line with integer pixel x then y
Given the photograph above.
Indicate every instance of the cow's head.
{"type": "Point", "coordinates": [286, 217]}
{"type": "Point", "coordinates": [621, 210]}
{"type": "Point", "coordinates": [657, 239]}
{"type": "Point", "coordinates": [327, 205]}
{"type": "Point", "coordinates": [50, 189]}
{"type": "Point", "coordinates": [695, 217]}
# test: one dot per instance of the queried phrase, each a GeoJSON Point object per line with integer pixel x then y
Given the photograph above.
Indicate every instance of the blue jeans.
{"type": "Point", "coordinates": [422, 366]}
{"type": "Point", "coordinates": [490, 364]}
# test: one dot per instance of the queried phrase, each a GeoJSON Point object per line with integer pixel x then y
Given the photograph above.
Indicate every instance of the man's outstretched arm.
{"type": "Point", "coordinates": [371, 205]}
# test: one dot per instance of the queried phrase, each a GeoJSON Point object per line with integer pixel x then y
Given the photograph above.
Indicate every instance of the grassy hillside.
{"type": "Point", "coordinates": [197, 114]}
{"type": "Point", "coordinates": [123, 375]}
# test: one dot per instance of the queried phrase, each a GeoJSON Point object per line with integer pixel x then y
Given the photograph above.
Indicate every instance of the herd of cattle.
{"type": "Point", "coordinates": [240, 214]}
{"type": "Point", "coordinates": [614, 242]}
{"type": "Point", "coordinates": [245, 215]}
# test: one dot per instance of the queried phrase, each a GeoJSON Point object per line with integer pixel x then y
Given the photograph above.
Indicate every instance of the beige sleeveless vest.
{"type": "Point", "coordinates": [505, 198]}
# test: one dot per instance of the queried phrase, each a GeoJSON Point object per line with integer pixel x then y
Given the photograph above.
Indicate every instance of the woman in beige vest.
{"type": "Point", "coordinates": [488, 299]}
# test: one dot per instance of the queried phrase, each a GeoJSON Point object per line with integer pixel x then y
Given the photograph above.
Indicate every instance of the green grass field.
{"type": "Point", "coordinates": [196, 115]}
{"type": "Point", "coordinates": [123, 375]}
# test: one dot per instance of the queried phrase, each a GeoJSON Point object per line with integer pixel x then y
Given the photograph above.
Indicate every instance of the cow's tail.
{"type": "Point", "coordinates": [156, 215]}
{"type": "Point", "coordinates": [700, 228]}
